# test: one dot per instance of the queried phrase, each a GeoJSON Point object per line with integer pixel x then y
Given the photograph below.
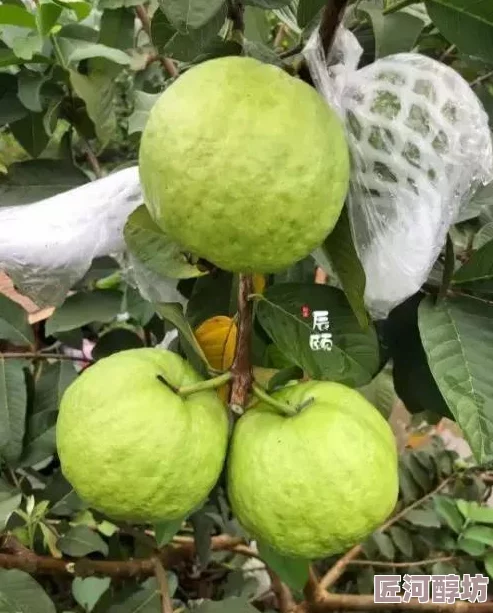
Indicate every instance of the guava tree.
{"type": "Point", "coordinates": [77, 85]}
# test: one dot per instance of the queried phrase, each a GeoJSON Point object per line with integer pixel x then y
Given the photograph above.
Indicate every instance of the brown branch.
{"type": "Point", "coordinates": [380, 564]}
{"type": "Point", "coordinates": [482, 79]}
{"type": "Point", "coordinates": [236, 15]}
{"type": "Point", "coordinates": [162, 581]}
{"type": "Point", "coordinates": [285, 601]}
{"type": "Point", "coordinates": [33, 355]}
{"type": "Point", "coordinates": [339, 567]}
{"type": "Point", "coordinates": [145, 20]}
{"type": "Point", "coordinates": [242, 364]}
{"type": "Point", "coordinates": [331, 18]}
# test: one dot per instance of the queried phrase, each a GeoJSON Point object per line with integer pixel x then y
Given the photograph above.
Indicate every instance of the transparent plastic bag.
{"type": "Point", "coordinates": [47, 246]}
{"type": "Point", "coordinates": [420, 146]}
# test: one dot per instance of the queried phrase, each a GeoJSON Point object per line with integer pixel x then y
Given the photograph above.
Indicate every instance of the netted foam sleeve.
{"type": "Point", "coordinates": [420, 146]}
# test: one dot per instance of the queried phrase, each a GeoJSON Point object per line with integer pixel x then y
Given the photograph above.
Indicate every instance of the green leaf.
{"type": "Point", "coordinates": [308, 10]}
{"type": "Point", "coordinates": [83, 308]}
{"type": "Point", "coordinates": [203, 526]}
{"type": "Point", "coordinates": [475, 512]}
{"type": "Point", "coordinates": [162, 30]}
{"type": "Point", "coordinates": [88, 591]}
{"type": "Point", "coordinates": [292, 571]}
{"type": "Point", "coordinates": [14, 15]}
{"type": "Point", "coordinates": [35, 180]}
{"type": "Point", "coordinates": [26, 44]}
{"type": "Point", "coordinates": [173, 312]}
{"type": "Point", "coordinates": [448, 511]}
{"type": "Point", "coordinates": [381, 393]}
{"type": "Point", "coordinates": [354, 356]}
{"type": "Point", "coordinates": [394, 33]}
{"type": "Point", "coordinates": [482, 199]}
{"type": "Point", "coordinates": [339, 248]}
{"type": "Point", "coordinates": [165, 531]}
{"type": "Point", "coordinates": [29, 92]}
{"type": "Point", "coordinates": [80, 541]}
{"type": "Point", "coordinates": [143, 103]}
{"type": "Point", "coordinates": [481, 534]}
{"type": "Point", "coordinates": [423, 517]}
{"type": "Point", "coordinates": [257, 26]}
{"type": "Point", "coordinates": [30, 133]}
{"type": "Point", "coordinates": [457, 336]}
{"type": "Point", "coordinates": [117, 28]}
{"type": "Point", "coordinates": [9, 502]}
{"type": "Point", "coordinates": [75, 50]}
{"type": "Point", "coordinates": [51, 383]}
{"type": "Point", "coordinates": [63, 497]}
{"type": "Point", "coordinates": [477, 273]}
{"type": "Point", "coordinates": [13, 401]}
{"type": "Point", "coordinates": [155, 249]}
{"type": "Point", "coordinates": [402, 540]}
{"type": "Point", "coordinates": [97, 90]}
{"type": "Point", "coordinates": [384, 544]}
{"type": "Point", "coordinates": [190, 14]}
{"type": "Point", "coordinates": [80, 8]}
{"type": "Point", "coordinates": [11, 108]}
{"type": "Point", "coordinates": [229, 605]}
{"type": "Point", "coordinates": [20, 593]}
{"type": "Point", "coordinates": [488, 564]}
{"type": "Point", "coordinates": [471, 547]}
{"type": "Point", "coordinates": [47, 15]}
{"type": "Point", "coordinates": [14, 325]}
{"type": "Point", "coordinates": [268, 4]}
{"type": "Point", "coordinates": [469, 25]}
{"type": "Point", "coordinates": [115, 340]}
{"type": "Point", "coordinates": [143, 600]}
{"type": "Point", "coordinates": [483, 236]}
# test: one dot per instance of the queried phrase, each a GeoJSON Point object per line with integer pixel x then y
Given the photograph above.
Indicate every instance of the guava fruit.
{"type": "Point", "coordinates": [318, 482]}
{"type": "Point", "coordinates": [133, 448]}
{"type": "Point", "coordinates": [244, 165]}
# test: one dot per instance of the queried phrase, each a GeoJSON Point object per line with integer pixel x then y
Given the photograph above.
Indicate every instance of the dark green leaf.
{"type": "Point", "coordinates": [203, 526]}
{"type": "Point", "coordinates": [117, 28]}
{"type": "Point", "coordinates": [14, 325]}
{"type": "Point", "coordinates": [481, 534]}
{"type": "Point", "coordinates": [80, 8]}
{"type": "Point", "coordinates": [229, 605]}
{"type": "Point", "coordinates": [257, 26]}
{"type": "Point", "coordinates": [488, 564]}
{"type": "Point", "coordinates": [448, 511]}
{"type": "Point", "coordinates": [79, 541]}
{"type": "Point", "coordinates": [20, 593]}
{"type": "Point", "coordinates": [339, 248]}
{"type": "Point", "coordinates": [443, 568]}
{"type": "Point", "coordinates": [268, 4]}
{"type": "Point", "coordinates": [190, 14]}
{"type": "Point", "coordinates": [47, 15]}
{"type": "Point", "coordinates": [144, 600]}
{"type": "Point", "coordinates": [457, 336]}
{"type": "Point", "coordinates": [212, 295]}
{"type": "Point", "coordinates": [384, 545]}
{"type": "Point", "coordinates": [161, 30]}
{"type": "Point", "coordinates": [88, 591]}
{"type": "Point", "coordinates": [165, 531]}
{"type": "Point", "coordinates": [143, 103]}
{"type": "Point", "coordinates": [40, 441]}
{"type": "Point", "coordinates": [402, 540]}
{"type": "Point", "coordinates": [154, 249]}
{"type": "Point", "coordinates": [11, 108]}
{"type": "Point", "coordinates": [471, 547]}
{"type": "Point", "coordinates": [380, 392]}
{"type": "Point", "coordinates": [35, 180]}
{"type": "Point", "coordinates": [62, 496]}
{"type": "Point", "coordinates": [30, 133]}
{"type": "Point", "coordinates": [469, 25]}
{"type": "Point", "coordinates": [13, 401]}
{"type": "Point", "coordinates": [481, 201]}
{"type": "Point", "coordinates": [423, 517]}
{"type": "Point", "coordinates": [14, 15]}
{"type": "Point", "coordinates": [308, 10]}
{"type": "Point", "coordinates": [83, 308]}
{"type": "Point", "coordinates": [29, 92]}
{"type": "Point", "coordinates": [449, 266]}
{"type": "Point", "coordinates": [292, 571]}
{"type": "Point", "coordinates": [477, 273]}
{"type": "Point", "coordinates": [117, 339]}
{"type": "Point", "coordinates": [353, 358]}
{"type": "Point", "coordinates": [284, 376]}
{"type": "Point", "coordinates": [74, 50]}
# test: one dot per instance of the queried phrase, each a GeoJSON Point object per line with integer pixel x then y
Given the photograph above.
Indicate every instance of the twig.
{"type": "Point", "coordinates": [166, 62]}
{"type": "Point", "coordinates": [333, 574]}
{"type": "Point", "coordinates": [390, 564]}
{"type": "Point", "coordinates": [235, 14]}
{"type": "Point", "coordinates": [447, 53]}
{"type": "Point", "coordinates": [162, 581]}
{"type": "Point", "coordinates": [33, 355]}
{"type": "Point", "coordinates": [285, 601]}
{"type": "Point", "coordinates": [481, 79]}
{"type": "Point", "coordinates": [331, 18]}
{"type": "Point", "coordinates": [242, 364]}
{"type": "Point", "coordinates": [280, 34]}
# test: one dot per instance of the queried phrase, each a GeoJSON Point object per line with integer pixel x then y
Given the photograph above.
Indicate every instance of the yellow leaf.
{"type": "Point", "coordinates": [258, 283]}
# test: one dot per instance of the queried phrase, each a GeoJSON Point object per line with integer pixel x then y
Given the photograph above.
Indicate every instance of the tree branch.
{"type": "Point", "coordinates": [166, 62]}
{"type": "Point", "coordinates": [339, 567]}
{"type": "Point", "coordinates": [390, 564]}
{"type": "Point", "coordinates": [331, 18]}
{"type": "Point", "coordinates": [235, 14]}
{"type": "Point", "coordinates": [242, 364]}
{"type": "Point", "coordinates": [162, 581]}
{"type": "Point", "coordinates": [36, 355]}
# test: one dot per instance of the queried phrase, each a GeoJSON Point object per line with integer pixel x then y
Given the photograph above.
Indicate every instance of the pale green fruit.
{"type": "Point", "coordinates": [316, 483]}
{"type": "Point", "coordinates": [244, 165]}
{"type": "Point", "coordinates": [134, 449]}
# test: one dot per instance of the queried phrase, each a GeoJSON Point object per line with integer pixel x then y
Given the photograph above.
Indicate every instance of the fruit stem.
{"type": "Point", "coordinates": [284, 408]}
{"type": "Point", "coordinates": [205, 385]}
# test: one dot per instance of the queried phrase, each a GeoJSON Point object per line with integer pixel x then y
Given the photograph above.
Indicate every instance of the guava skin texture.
{"type": "Point", "coordinates": [314, 484]}
{"type": "Point", "coordinates": [134, 449]}
{"type": "Point", "coordinates": [244, 165]}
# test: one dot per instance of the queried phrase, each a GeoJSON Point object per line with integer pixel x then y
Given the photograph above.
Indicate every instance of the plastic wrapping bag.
{"type": "Point", "coordinates": [420, 146]}
{"type": "Point", "coordinates": [47, 246]}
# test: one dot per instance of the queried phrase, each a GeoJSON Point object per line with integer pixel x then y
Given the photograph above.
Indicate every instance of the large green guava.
{"type": "Point", "coordinates": [244, 165]}
{"type": "Point", "coordinates": [134, 449]}
{"type": "Point", "coordinates": [313, 484]}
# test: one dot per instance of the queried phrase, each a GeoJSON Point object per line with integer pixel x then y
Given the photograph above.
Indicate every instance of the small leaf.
{"type": "Point", "coordinates": [292, 571]}
{"type": "Point", "coordinates": [75, 50]}
{"type": "Point", "coordinates": [155, 249]}
{"type": "Point", "coordinates": [165, 531]}
{"type": "Point", "coordinates": [80, 8]}
{"type": "Point", "coordinates": [353, 356]}
{"type": "Point", "coordinates": [143, 103]}
{"type": "Point", "coordinates": [63, 497]}
{"type": "Point", "coordinates": [146, 599]}
{"type": "Point", "coordinates": [477, 273]}
{"type": "Point", "coordinates": [117, 28]}
{"type": "Point", "coordinates": [83, 308]}
{"type": "Point", "coordinates": [471, 547]}
{"type": "Point", "coordinates": [30, 132]}
{"type": "Point", "coordinates": [14, 15]}
{"type": "Point", "coordinates": [475, 512]}
{"type": "Point", "coordinates": [402, 540]}
{"type": "Point", "coordinates": [423, 517]}
{"type": "Point", "coordinates": [448, 511]}
{"type": "Point", "coordinates": [47, 15]}
{"type": "Point", "coordinates": [80, 541]}
{"type": "Point", "coordinates": [191, 14]}
{"type": "Point", "coordinates": [19, 592]}
{"type": "Point", "coordinates": [229, 605]}
{"type": "Point", "coordinates": [8, 504]}
{"type": "Point", "coordinates": [481, 534]}
{"type": "Point", "coordinates": [14, 324]}
{"type": "Point", "coordinates": [13, 401]}
{"type": "Point", "coordinates": [29, 92]}
{"type": "Point", "coordinates": [88, 591]}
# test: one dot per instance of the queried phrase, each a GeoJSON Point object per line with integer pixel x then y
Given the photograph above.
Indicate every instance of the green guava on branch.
{"type": "Point", "coordinates": [313, 484]}
{"type": "Point", "coordinates": [244, 165]}
{"type": "Point", "coordinates": [131, 446]}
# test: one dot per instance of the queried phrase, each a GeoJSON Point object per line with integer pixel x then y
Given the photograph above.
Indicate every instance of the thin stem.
{"type": "Point", "coordinates": [331, 19]}
{"type": "Point", "coordinates": [447, 53]}
{"type": "Point", "coordinates": [281, 407]}
{"type": "Point", "coordinates": [145, 20]}
{"type": "Point", "coordinates": [205, 385]}
{"type": "Point", "coordinates": [482, 79]}
{"type": "Point", "coordinates": [162, 581]}
{"type": "Point", "coordinates": [33, 355]}
{"type": "Point", "coordinates": [390, 564]}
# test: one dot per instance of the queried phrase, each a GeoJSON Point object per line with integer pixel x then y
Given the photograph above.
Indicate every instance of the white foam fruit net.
{"type": "Point", "coordinates": [420, 145]}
